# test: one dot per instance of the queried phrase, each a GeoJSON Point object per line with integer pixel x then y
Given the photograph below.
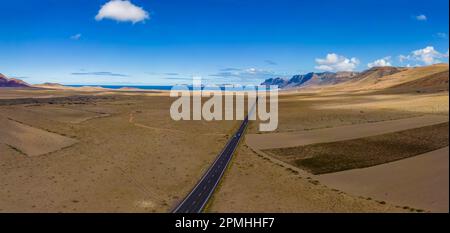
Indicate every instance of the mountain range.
{"type": "Point", "coordinates": [433, 78]}
{"type": "Point", "coordinates": [330, 78]}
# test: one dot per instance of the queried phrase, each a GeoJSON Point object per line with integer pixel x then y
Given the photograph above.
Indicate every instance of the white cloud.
{"type": "Point", "coordinates": [441, 35]}
{"type": "Point", "coordinates": [427, 55]}
{"type": "Point", "coordinates": [254, 71]}
{"type": "Point", "coordinates": [334, 62]}
{"type": "Point", "coordinates": [386, 61]}
{"type": "Point", "coordinates": [123, 11]}
{"type": "Point", "coordinates": [76, 37]}
{"type": "Point", "coordinates": [412, 66]}
{"type": "Point", "coordinates": [421, 17]}
{"type": "Point", "coordinates": [403, 58]}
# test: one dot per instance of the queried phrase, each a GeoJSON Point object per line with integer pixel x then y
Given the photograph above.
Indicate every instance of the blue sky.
{"type": "Point", "coordinates": [158, 42]}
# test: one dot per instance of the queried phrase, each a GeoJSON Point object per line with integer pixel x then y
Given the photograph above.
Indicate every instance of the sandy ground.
{"type": "Point", "coordinates": [346, 114]}
{"type": "Point", "coordinates": [136, 159]}
{"type": "Point", "coordinates": [314, 117]}
{"type": "Point", "coordinates": [317, 110]}
{"type": "Point", "coordinates": [300, 138]}
{"type": "Point", "coordinates": [14, 93]}
{"type": "Point", "coordinates": [116, 165]}
{"type": "Point", "coordinates": [64, 114]}
{"type": "Point", "coordinates": [323, 158]}
{"type": "Point", "coordinates": [412, 103]}
{"type": "Point", "coordinates": [421, 181]}
{"type": "Point", "coordinates": [254, 184]}
{"type": "Point", "coordinates": [29, 140]}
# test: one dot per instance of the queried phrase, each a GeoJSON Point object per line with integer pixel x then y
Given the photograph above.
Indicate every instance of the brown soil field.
{"type": "Point", "coordinates": [364, 152]}
{"type": "Point", "coordinates": [339, 133]}
{"type": "Point", "coordinates": [309, 111]}
{"type": "Point", "coordinates": [255, 184]}
{"type": "Point", "coordinates": [434, 83]}
{"type": "Point", "coordinates": [410, 104]}
{"type": "Point", "coordinates": [31, 141]}
{"type": "Point", "coordinates": [135, 158]}
{"type": "Point", "coordinates": [64, 114]}
{"type": "Point", "coordinates": [422, 181]}
{"type": "Point", "coordinates": [116, 165]}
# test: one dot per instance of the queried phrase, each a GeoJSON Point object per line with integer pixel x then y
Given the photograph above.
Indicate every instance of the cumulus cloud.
{"type": "Point", "coordinates": [334, 62]}
{"type": "Point", "coordinates": [421, 17]}
{"type": "Point", "coordinates": [123, 11]}
{"type": "Point", "coordinates": [412, 66]}
{"type": "Point", "coordinates": [76, 37]}
{"type": "Point", "coordinates": [403, 58]}
{"type": "Point", "coordinates": [386, 61]}
{"type": "Point", "coordinates": [427, 55]}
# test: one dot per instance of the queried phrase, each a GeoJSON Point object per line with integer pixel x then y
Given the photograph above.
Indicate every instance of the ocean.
{"type": "Point", "coordinates": [163, 88]}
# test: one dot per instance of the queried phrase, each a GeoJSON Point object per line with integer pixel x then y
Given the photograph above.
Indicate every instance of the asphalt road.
{"type": "Point", "coordinates": [196, 201]}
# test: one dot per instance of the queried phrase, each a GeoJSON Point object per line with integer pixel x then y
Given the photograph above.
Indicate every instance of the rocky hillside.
{"type": "Point", "coordinates": [312, 79]}
{"type": "Point", "coordinates": [12, 82]}
{"type": "Point", "coordinates": [419, 79]}
{"type": "Point", "coordinates": [432, 83]}
{"type": "Point", "coordinates": [373, 75]}
{"type": "Point", "coordinates": [280, 82]}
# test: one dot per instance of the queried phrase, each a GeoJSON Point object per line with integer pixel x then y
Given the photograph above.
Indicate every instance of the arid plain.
{"type": "Point", "coordinates": [383, 148]}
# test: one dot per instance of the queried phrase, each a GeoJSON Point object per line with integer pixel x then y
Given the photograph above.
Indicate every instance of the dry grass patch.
{"type": "Point", "coordinates": [253, 184]}
{"type": "Point", "coordinates": [65, 115]}
{"type": "Point", "coordinates": [29, 140]}
{"type": "Point", "coordinates": [116, 166]}
{"type": "Point", "coordinates": [365, 152]}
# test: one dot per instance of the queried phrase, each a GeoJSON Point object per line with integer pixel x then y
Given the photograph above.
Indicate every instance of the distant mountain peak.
{"type": "Point", "coordinates": [11, 82]}
{"type": "Point", "coordinates": [280, 82]}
